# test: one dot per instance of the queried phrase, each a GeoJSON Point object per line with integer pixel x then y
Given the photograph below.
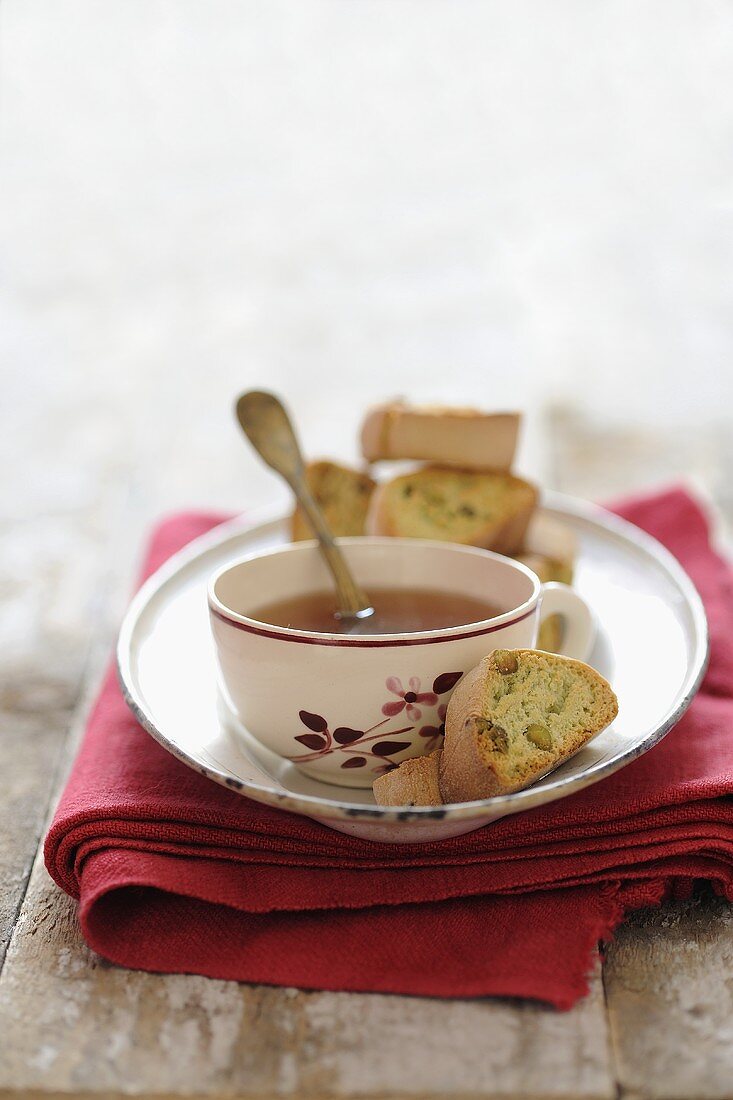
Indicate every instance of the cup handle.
{"type": "Point", "coordinates": [580, 625]}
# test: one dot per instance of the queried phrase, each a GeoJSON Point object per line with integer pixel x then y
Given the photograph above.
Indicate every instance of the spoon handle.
{"type": "Point", "coordinates": [266, 424]}
{"type": "Point", "coordinates": [353, 601]}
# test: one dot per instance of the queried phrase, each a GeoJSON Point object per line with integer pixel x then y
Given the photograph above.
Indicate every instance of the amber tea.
{"type": "Point", "coordinates": [396, 611]}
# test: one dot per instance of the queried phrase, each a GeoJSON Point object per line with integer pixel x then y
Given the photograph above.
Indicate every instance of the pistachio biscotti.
{"type": "Point", "coordinates": [550, 549]}
{"type": "Point", "coordinates": [477, 508]}
{"type": "Point", "coordinates": [515, 717]}
{"type": "Point", "coordinates": [448, 436]}
{"type": "Point", "coordinates": [550, 634]}
{"type": "Point", "coordinates": [343, 494]}
{"type": "Point", "coordinates": [551, 538]}
{"type": "Point", "coordinates": [547, 569]}
{"type": "Point", "coordinates": [414, 783]}
{"type": "Point", "coordinates": [511, 720]}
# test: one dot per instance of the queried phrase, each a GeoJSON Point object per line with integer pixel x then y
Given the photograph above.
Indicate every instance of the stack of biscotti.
{"type": "Point", "coordinates": [463, 491]}
{"type": "Point", "coordinates": [466, 492]}
{"type": "Point", "coordinates": [512, 719]}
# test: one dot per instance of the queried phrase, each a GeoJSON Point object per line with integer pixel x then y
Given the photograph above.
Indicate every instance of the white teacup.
{"type": "Point", "coordinates": [346, 708]}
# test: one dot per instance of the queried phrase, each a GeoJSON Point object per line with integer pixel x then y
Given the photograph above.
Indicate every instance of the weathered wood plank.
{"type": "Point", "coordinates": [669, 985]}
{"type": "Point", "coordinates": [72, 1024]}
{"type": "Point", "coordinates": [53, 569]}
{"type": "Point", "coordinates": [32, 744]}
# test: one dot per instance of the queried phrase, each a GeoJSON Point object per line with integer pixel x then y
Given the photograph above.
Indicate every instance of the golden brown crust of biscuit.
{"type": "Point", "coordinates": [500, 507]}
{"type": "Point", "coordinates": [413, 783]}
{"type": "Point", "coordinates": [479, 758]}
{"type": "Point", "coordinates": [450, 436]}
{"type": "Point", "coordinates": [343, 494]}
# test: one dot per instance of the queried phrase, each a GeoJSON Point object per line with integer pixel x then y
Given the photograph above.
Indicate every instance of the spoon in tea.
{"type": "Point", "coordinates": [266, 424]}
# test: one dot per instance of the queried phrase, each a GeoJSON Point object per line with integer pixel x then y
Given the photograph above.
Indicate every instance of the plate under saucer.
{"type": "Point", "coordinates": [643, 599]}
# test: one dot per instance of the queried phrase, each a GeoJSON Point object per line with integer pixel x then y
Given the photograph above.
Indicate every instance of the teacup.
{"type": "Point", "coordinates": [346, 708]}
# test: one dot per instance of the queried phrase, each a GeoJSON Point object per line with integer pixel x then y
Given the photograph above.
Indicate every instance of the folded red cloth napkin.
{"type": "Point", "coordinates": [175, 873]}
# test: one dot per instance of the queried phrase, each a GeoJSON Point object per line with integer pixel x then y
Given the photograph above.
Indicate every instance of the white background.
{"type": "Point", "coordinates": [522, 203]}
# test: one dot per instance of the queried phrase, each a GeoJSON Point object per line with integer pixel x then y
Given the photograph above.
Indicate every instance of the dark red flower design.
{"type": "Point", "coordinates": [408, 699]}
{"type": "Point", "coordinates": [445, 682]}
{"type": "Point", "coordinates": [314, 722]}
{"type": "Point", "coordinates": [345, 736]}
{"type": "Point", "coordinates": [313, 741]}
{"type": "Point", "coordinates": [433, 733]}
{"type": "Point", "coordinates": [388, 748]}
{"type": "Point", "coordinates": [360, 746]}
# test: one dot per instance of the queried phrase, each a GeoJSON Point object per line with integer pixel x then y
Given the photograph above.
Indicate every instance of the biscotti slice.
{"type": "Point", "coordinates": [547, 569]}
{"type": "Point", "coordinates": [448, 436]}
{"type": "Point", "coordinates": [550, 634]}
{"type": "Point", "coordinates": [515, 717]}
{"type": "Point", "coordinates": [484, 508]}
{"type": "Point", "coordinates": [343, 495]}
{"type": "Point", "coordinates": [413, 783]}
{"type": "Point", "coordinates": [550, 549]}
{"type": "Point", "coordinates": [550, 538]}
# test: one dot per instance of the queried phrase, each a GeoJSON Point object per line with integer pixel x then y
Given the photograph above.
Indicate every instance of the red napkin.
{"type": "Point", "coordinates": [175, 873]}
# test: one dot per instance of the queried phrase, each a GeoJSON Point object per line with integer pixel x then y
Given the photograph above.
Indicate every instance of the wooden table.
{"type": "Point", "coordinates": [488, 203]}
{"type": "Point", "coordinates": [659, 1018]}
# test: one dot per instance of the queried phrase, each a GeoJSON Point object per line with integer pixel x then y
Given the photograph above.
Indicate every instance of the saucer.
{"type": "Point", "coordinates": [644, 602]}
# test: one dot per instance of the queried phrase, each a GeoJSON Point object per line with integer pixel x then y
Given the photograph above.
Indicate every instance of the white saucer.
{"type": "Point", "coordinates": [652, 646]}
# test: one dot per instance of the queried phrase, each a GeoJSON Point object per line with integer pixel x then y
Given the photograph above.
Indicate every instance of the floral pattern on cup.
{"type": "Point", "coordinates": [406, 700]}
{"type": "Point", "coordinates": [362, 748]}
{"type": "Point", "coordinates": [434, 734]}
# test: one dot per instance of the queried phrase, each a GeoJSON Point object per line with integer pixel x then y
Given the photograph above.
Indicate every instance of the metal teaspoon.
{"type": "Point", "coordinates": [266, 424]}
